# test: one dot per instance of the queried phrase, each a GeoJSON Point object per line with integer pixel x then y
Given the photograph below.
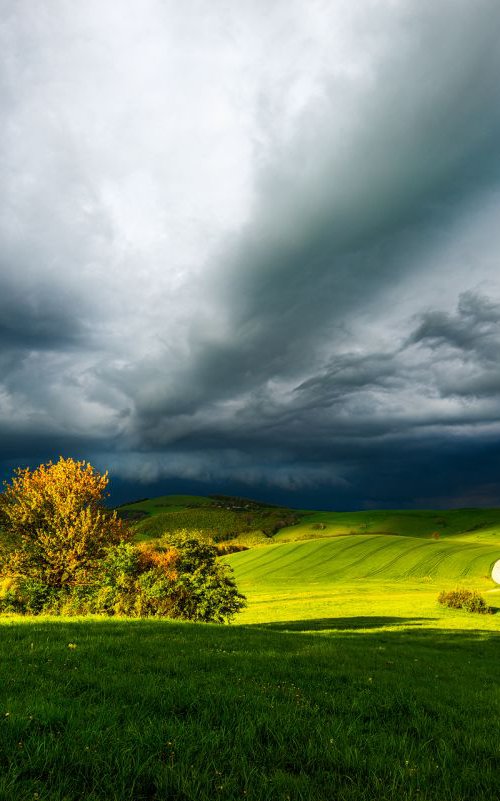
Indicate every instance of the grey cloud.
{"type": "Point", "coordinates": [35, 320]}
{"type": "Point", "coordinates": [475, 328]}
{"type": "Point", "coordinates": [349, 373]}
{"type": "Point", "coordinates": [341, 210]}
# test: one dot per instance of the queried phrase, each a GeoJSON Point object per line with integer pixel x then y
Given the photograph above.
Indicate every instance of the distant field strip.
{"type": "Point", "coordinates": [473, 525]}
{"type": "Point", "coordinates": [363, 557]}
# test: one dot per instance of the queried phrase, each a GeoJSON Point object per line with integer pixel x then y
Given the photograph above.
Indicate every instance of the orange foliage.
{"type": "Point", "coordinates": [55, 520]}
{"type": "Point", "coordinates": [167, 560]}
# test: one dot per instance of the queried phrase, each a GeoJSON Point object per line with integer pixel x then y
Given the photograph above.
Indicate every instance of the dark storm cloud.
{"type": "Point", "coordinates": [255, 246]}
{"type": "Point", "coordinates": [349, 373]}
{"type": "Point", "coordinates": [38, 321]}
{"type": "Point", "coordinates": [341, 211]}
{"type": "Point", "coordinates": [475, 327]}
{"type": "Point", "coordinates": [465, 348]}
{"type": "Point", "coordinates": [365, 413]}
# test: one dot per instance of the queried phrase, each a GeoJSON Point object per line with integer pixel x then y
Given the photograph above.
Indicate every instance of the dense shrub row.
{"type": "Point", "coordinates": [183, 580]}
{"type": "Point", "coordinates": [64, 553]}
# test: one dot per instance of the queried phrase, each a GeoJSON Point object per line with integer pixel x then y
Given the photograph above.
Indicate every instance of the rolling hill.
{"type": "Point", "coordinates": [374, 564]}
{"type": "Point", "coordinates": [364, 557]}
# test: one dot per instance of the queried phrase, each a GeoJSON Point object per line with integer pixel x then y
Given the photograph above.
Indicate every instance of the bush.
{"type": "Point", "coordinates": [183, 581]}
{"type": "Point", "coordinates": [464, 599]}
{"type": "Point", "coordinates": [226, 548]}
{"type": "Point", "coordinates": [68, 555]}
{"type": "Point", "coordinates": [204, 588]}
{"type": "Point", "coordinates": [180, 581]}
{"type": "Point", "coordinates": [476, 603]}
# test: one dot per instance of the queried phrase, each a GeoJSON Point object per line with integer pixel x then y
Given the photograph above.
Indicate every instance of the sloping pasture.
{"type": "Point", "coordinates": [364, 557]}
{"type": "Point", "coordinates": [478, 525]}
{"type": "Point", "coordinates": [371, 577]}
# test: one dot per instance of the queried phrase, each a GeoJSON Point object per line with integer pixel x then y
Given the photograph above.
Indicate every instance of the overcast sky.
{"type": "Point", "coordinates": [254, 246]}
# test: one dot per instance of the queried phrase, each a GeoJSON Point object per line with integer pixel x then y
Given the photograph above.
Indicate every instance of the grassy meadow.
{"type": "Point", "coordinates": [344, 679]}
{"type": "Point", "coordinates": [362, 575]}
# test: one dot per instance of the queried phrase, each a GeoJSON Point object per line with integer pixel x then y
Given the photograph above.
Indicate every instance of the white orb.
{"type": "Point", "coordinates": [495, 573]}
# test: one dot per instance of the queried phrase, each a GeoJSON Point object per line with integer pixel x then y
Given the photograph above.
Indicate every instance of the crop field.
{"type": "Point", "coordinates": [280, 592]}
{"type": "Point", "coordinates": [365, 575]}
{"type": "Point", "coordinates": [473, 524]}
{"type": "Point", "coordinates": [343, 679]}
{"type": "Point", "coordinates": [364, 557]}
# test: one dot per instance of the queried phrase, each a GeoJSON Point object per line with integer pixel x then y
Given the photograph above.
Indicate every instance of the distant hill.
{"type": "Point", "coordinates": [251, 522]}
{"type": "Point", "coordinates": [222, 517]}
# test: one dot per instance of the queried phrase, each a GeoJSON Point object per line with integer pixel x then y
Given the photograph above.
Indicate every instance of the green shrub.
{"type": "Point", "coordinates": [180, 579]}
{"type": "Point", "coordinates": [225, 548]}
{"type": "Point", "coordinates": [469, 600]}
{"type": "Point", "coordinates": [476, 603]}
{"type": "Point", "coordinates": [204, 589]}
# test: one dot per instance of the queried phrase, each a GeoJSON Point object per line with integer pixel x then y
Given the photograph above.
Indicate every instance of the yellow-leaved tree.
{"type": "Point", "coordinates": [55, 523]}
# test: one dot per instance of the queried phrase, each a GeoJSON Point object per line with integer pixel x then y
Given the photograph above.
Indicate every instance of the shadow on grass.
{"type": "Point", "coordinates": [122, 710]}
{"type": "Point", "coordinates": [343, 623]}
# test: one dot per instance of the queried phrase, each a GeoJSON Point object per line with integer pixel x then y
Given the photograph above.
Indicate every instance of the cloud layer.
{"type": "Point", "coordinates": [254, 246]}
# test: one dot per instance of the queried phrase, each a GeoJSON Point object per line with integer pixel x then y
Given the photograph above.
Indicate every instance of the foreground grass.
{"type": "Point", "coordinates": [316, 710]}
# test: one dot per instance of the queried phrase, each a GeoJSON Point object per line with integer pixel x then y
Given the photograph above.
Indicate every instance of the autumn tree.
{"type": "Point", "coordinates": [55, 523]}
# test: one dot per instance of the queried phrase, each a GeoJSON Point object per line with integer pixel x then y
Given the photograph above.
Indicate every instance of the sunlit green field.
{"type": "Point", "coordinates": [221, 518]}
{"type": "Point", "coordinates": [387, 576]}
{"type": "Point", "coordinates": [470, 524]}
{"type": "Point", "coordinates": [344, 679]}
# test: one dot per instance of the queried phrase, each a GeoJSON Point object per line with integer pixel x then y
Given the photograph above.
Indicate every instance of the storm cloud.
{"type": "Point", "coordinates": [254, 246]}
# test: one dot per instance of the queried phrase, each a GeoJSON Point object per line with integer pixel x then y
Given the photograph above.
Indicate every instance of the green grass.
{"type": "Point", "coordinates": [154, 506]}
{"type": "Point", "coordinates": [244, 524]}
{"type": "Point", "coordinates": [343, 680]}
{"type": "Point", "coordinates": [328, 710]}
{"type": "Point", "coordinates": [221, 519]}
{"type": "Point", "coordinates": [361, 575]}
{"type": "Point", "coordinates": [365, 557]}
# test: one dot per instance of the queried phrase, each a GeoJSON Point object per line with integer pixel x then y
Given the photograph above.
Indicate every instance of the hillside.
{"type": "Point", "coordinates": [374, 564]}
{"type": "Point", "coordinates": [481, 525]}
{"type": "Point", "coordinates": [364, 557]}
{"type": "Point", "coordinates": [243, 520]}
{"type": "Point", "coordinates": [221, 517]}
